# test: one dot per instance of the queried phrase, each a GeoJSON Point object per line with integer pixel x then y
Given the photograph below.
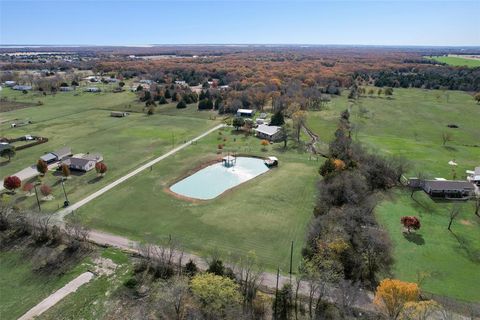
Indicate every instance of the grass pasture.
{"type": "Point", "coordinates": [262, 215]}
{"type": "Point", "coordinates": [457, 61]}
{"type": "Point", "coordinates": [410, 125]}
{"type": "Point", "coordinates": [450, 261]}
{"type": "Point", "coordinates": [83, 123]}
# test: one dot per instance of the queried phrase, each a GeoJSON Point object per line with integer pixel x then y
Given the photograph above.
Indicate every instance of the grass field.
{"type": "Point", "coordinates": [21, 288]}
{"type": "Point", "coordinates": [83, 123]}
{"type": "Point", "coordinates": [450, 260]}
{"type": "Point", "coordinates": [457, 61]}
{"type": "Point", "coordinates": [410, 125]}
{"type": "Point", "coordinates": [262, 215]}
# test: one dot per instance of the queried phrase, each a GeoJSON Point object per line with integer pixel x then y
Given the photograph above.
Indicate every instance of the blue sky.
{"type": "Point", "coordinates": [254, 22]}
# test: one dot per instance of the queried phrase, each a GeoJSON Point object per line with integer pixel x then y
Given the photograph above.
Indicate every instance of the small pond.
{"type": "Point", "coordinates": [212, 181]}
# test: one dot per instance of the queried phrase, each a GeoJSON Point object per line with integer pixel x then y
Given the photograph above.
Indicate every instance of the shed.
{"type": "Point", "coordinates": [62, 153]}
{"type": "Point", "coordinates": [118, 114]}
{"type": "Point", "coordinates": [245, 113]}
{"type": "Point", "coordinates": [93, 89]}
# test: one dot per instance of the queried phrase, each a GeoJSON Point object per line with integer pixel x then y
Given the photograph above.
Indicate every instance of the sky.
{"type": "Point", "coordinates": [122, 22]}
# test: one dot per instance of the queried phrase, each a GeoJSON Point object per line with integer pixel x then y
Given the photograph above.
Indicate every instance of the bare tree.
{"type": "Point", "coordinates": [173, 297]}
{"type": "Point", "coordinates": [248, 274]}
{"type": "Point", "coordinates": [446, 137]}
{"type": "Point", "coordinates": [347, 294]}
{"type": "Point", "coordinates": [454, 212]}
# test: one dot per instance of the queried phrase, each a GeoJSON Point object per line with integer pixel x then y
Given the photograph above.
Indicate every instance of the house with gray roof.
{"type": "Point", "coordinates": [444, 189]}
{"type": "Point", "coordinates": [271, 133]}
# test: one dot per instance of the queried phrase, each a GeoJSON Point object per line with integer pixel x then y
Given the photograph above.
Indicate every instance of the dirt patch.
{"type": "Point", "coordinates": [6, 106]}
{"type": "Point", "coordinates": [465, 222]}
{"type": "Point", "coordinates": [104, 266]}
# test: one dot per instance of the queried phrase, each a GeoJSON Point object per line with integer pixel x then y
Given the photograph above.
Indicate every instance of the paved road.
{"type": "Point", "coordinates": [62, 213]}
{"type": "Point", "coordinates": [58, 295]}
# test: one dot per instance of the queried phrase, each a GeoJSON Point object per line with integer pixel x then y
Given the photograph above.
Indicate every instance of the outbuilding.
{"type": "Point", "coordinates": [245, 113]}
{"type": "Point", "coordinates": [118, 114]}
{"type": "Point", "coordinates": [271, 133]}
{"type": "Point", "coordinates": [449, 189]}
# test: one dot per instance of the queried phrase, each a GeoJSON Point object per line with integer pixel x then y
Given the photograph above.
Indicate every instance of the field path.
{"type": "Point", "coordinates": [62, 213]}
{"type": "Point", "coordinates": [58, 295]}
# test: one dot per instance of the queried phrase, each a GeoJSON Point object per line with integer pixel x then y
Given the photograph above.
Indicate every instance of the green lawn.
{"type": "Point", "coordinates": [81, 123]}
{"type": "Point", "coordinates": [457, 61]}
{"type": "Point", "coordinates": [451, 260]}
{"type": "Point", "coordinates": [21, 288]}
{"type": "Point", "coordinates": [262, 215]}
{"type": "Point", "coordinates": [411, 125]}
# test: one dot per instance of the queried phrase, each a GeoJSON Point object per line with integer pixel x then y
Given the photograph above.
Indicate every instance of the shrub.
{"type": "Point", "coordinates": [27, 187]}
{"type": "Point", "coordinates": [42, 167]}
{"type": "Point", "coordinates": [410, 223]}
{"type": "Point", "coordinates": [45, 190]}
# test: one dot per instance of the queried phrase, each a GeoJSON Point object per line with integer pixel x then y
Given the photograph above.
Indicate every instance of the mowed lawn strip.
{"type": "Point", "coordinates": [262, 215]}
{"type": "Point", "coordinates": [457, 61]}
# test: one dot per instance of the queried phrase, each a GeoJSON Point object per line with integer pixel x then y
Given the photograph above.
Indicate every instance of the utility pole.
{"type": "Point", "coordinates": [36, 195]}
{"type": "Point", "coordinates": [291, 261]}
{"type": "Point", "coordinates": [66, 203]}
{"type": "Point", "coordinates": [276, 294]}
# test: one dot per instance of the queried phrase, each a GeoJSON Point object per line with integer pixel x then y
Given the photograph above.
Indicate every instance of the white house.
{"type": "Point", "coordinates": [474, 176]}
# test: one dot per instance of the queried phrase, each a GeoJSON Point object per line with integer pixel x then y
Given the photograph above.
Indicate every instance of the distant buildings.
{"type": "Point", "coordinates": [245, 113]}
{"type": "Point", "coordinates": [474, 176]}
{"type": "Point", "coordinates": [93, 89]}
{"type": "Point", "coordinates": [22, 87]}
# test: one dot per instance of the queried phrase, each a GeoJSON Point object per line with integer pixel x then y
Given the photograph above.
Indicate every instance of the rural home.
{"type": "Point", "coordinates": [92, 89]}
{"type": "Point", "coordinates": [9, 83]}
{"type": "Point", "coordinates": [66, 89]}
{"type": "Point", "coordinates": [271, 133]}
{"type": "Point", "coordinates": [444, 189]}
{"type": "Point", "coordinates": [118, 114]}
{"type": "Point", "coordinates": [84, 162]}
{"type": "Point", "coordinates": [22, 87]}
{"type": "Point", "coordinates": [181, 83]}
{"type": "Point", "coordinates": [245, 113]}
{"type": "Point", "coordinates": [474, 176]}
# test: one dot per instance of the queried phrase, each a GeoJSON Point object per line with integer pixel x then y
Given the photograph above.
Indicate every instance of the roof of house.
{"type": "Point", "coordinates": [63, 152]}
{"type": "Point", "coordinates": [449, 185]}
{"type": "Point", "coordinates": [93, 156]}
{"type": "Point", "coordinates": [268, 130]}
{"type": "Point", "coordinates": [81, 162]}
{"type": "Point", "coordinates": [48, 157]}
{"type": "Point", "coordinates": [244, 111]}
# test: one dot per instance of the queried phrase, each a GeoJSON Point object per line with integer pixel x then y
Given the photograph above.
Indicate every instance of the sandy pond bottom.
{"type": "Point", "coordinates": [213, 180]}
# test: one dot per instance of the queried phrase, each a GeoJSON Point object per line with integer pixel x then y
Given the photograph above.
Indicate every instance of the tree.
{"type": "Point", "coordinates": [264, 144]}
{"type": "Point", "coordinates": [191, 268]}
{"type": "Point", "coordinates": [284, 135]}
{"type": "Point", "coordinates": [446, 137]}
{"type": "Point", "coordinates": [421, 310]}
{"type": "Point", "coordinates": [327, 168]}
{"type": "Point", "coordinates": [8, 152]}
{"type": "Point", "coordinates": [216, 267]}
{"type": "Point", "coordinates": [150, 110]}
{"type": "Point", "coordinates": [298, 118]}
{"type": "Point", "coordinates": [42, 167]}
{"type": "Point", "coordinates": [121, 84]}
{"type": "Point", "coordinates": [277, 119]}
{"type": "Point", "coordinates": [477, 97]}
{"type": "Point", "coordinates": [238, 122]}
{"type": "Point", "coordinates": [173, 297]}
{"type": "Point", "coordinates": [410, 223]}
{"type": "Point", "coordinates": [454, 212]}
{"type": "Point", "coordinates": [282, 304]}
{"type": "Point", "coordinates": [101, 168]}
{"type": "Point", "coordinates": [45, 190]}
{"type": "Point", "coordinates": [65, 170]}
{"type": "Point", "coordinates": [392, 295]}
{"type": "Point", "coordinates": [388, 91]}
{"type": "Point", "coordinates": [11, 183]}
{"type": "Point", "coordinates": [181, 105]}
{"type": "Point", "coordinates": [215, 293]}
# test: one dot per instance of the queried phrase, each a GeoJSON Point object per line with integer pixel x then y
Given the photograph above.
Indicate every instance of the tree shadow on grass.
{"type": "Point", "coordinates": [415, 238]}
{"type": "Point", "coordinates": [450, 148]}
{"type": "Point", "coordinates": [466, 246]}
{"type": "Point", "coordinates": [95, 180]}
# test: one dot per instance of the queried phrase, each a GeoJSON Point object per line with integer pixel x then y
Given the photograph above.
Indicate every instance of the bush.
{"type": "Point", "coordinates": [45, 190]}
{"type": "Point", "coordinates": [181, 105]}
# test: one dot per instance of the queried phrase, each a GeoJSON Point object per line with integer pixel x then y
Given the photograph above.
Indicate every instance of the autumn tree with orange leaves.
{"type": "Point", "coordinates": [392, 296]}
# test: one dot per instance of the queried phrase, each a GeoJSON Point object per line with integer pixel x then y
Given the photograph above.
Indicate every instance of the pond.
{"type": "Point", "coordinates": [215, 179]}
